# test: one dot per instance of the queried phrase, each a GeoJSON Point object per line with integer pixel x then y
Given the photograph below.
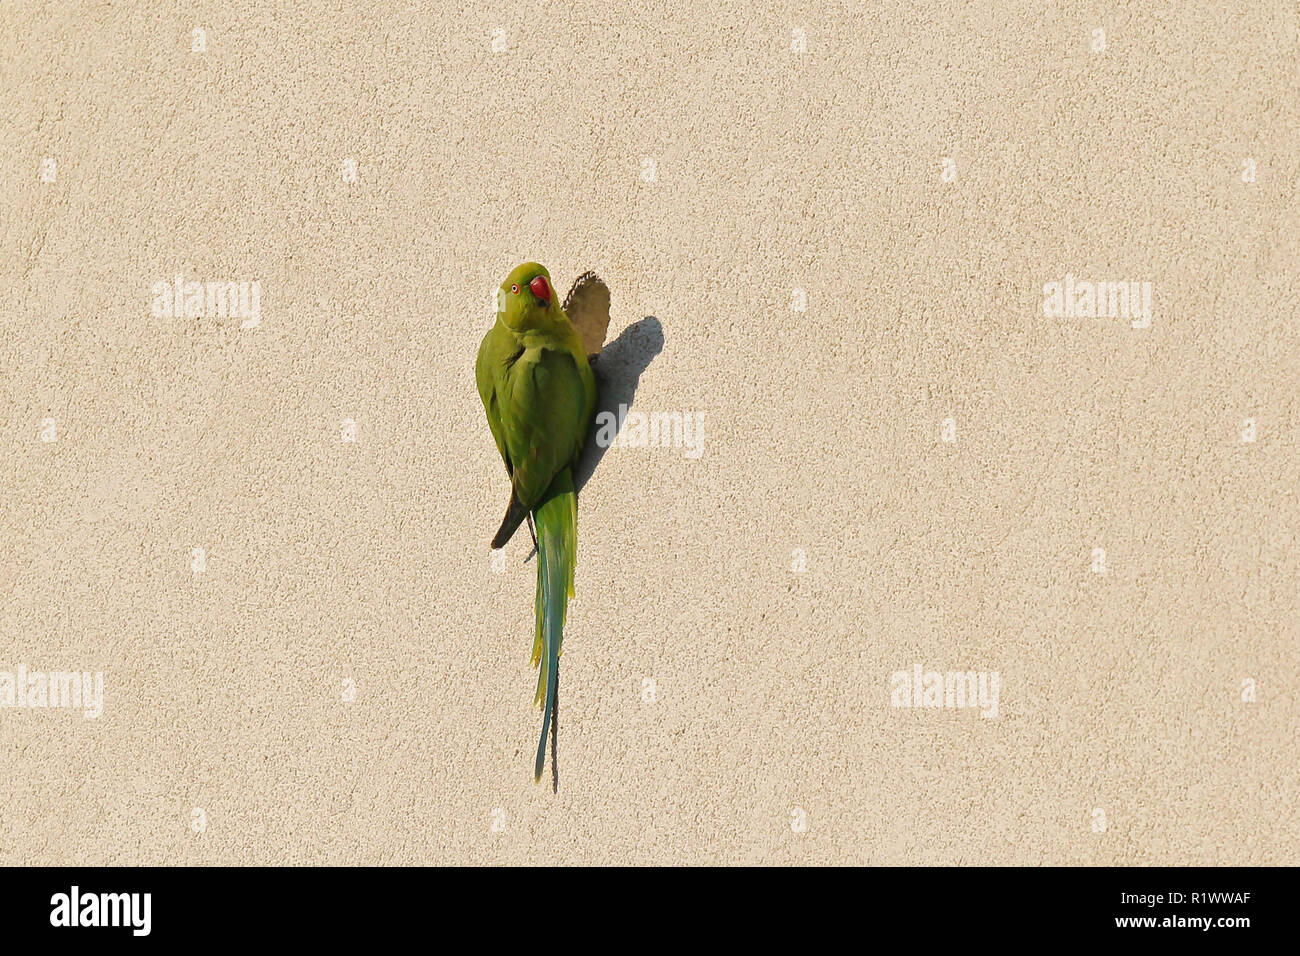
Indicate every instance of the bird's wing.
{"type": "Point", "coordinates": [493, 351]}
{"type": "Point", "coordinates": [542, 419]}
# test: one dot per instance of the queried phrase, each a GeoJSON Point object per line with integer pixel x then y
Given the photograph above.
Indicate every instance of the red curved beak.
{"type": "Point", "coordinates": [542, 289]}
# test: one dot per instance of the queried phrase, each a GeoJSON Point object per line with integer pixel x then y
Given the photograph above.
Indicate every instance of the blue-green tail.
{"type": "Point", "coordinates": [557, 548]}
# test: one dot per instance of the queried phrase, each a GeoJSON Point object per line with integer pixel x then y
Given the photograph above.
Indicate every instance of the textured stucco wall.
{"type": "Point", "coordinates": [771, 736]}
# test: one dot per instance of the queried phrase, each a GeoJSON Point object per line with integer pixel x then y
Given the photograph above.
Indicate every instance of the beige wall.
{"type": "Point", "coordinates": [775, 170]}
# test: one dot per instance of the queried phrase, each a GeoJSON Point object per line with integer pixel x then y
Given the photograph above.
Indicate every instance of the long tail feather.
{"type": "Point", "coordinates": [557, 545]}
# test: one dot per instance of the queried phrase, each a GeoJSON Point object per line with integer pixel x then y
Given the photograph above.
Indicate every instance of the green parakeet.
{"type": "Point", "coordinates": [538, 390]}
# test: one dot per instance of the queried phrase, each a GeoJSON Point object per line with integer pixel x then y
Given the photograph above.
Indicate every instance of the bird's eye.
{"type": "Point", "coordinates": [514, 289]}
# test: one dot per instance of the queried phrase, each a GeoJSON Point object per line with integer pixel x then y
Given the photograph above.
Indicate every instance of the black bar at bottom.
{"type": "Point", "coordinates": [339, 906]}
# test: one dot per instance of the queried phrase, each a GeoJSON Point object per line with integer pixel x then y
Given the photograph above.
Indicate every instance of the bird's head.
{"type": "Point", "coordinates": [526, 298]}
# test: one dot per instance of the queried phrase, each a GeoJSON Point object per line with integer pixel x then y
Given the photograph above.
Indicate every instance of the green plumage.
{"type": "Point", "coordinates": [539, 394]}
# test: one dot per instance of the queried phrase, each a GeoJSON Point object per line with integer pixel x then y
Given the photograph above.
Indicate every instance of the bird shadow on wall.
{"type": "Point", "coordinates": [618, 371]}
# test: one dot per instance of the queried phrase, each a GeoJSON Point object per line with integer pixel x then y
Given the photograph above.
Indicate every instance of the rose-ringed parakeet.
{"type": "Point", "coordinates": [538, 390]}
